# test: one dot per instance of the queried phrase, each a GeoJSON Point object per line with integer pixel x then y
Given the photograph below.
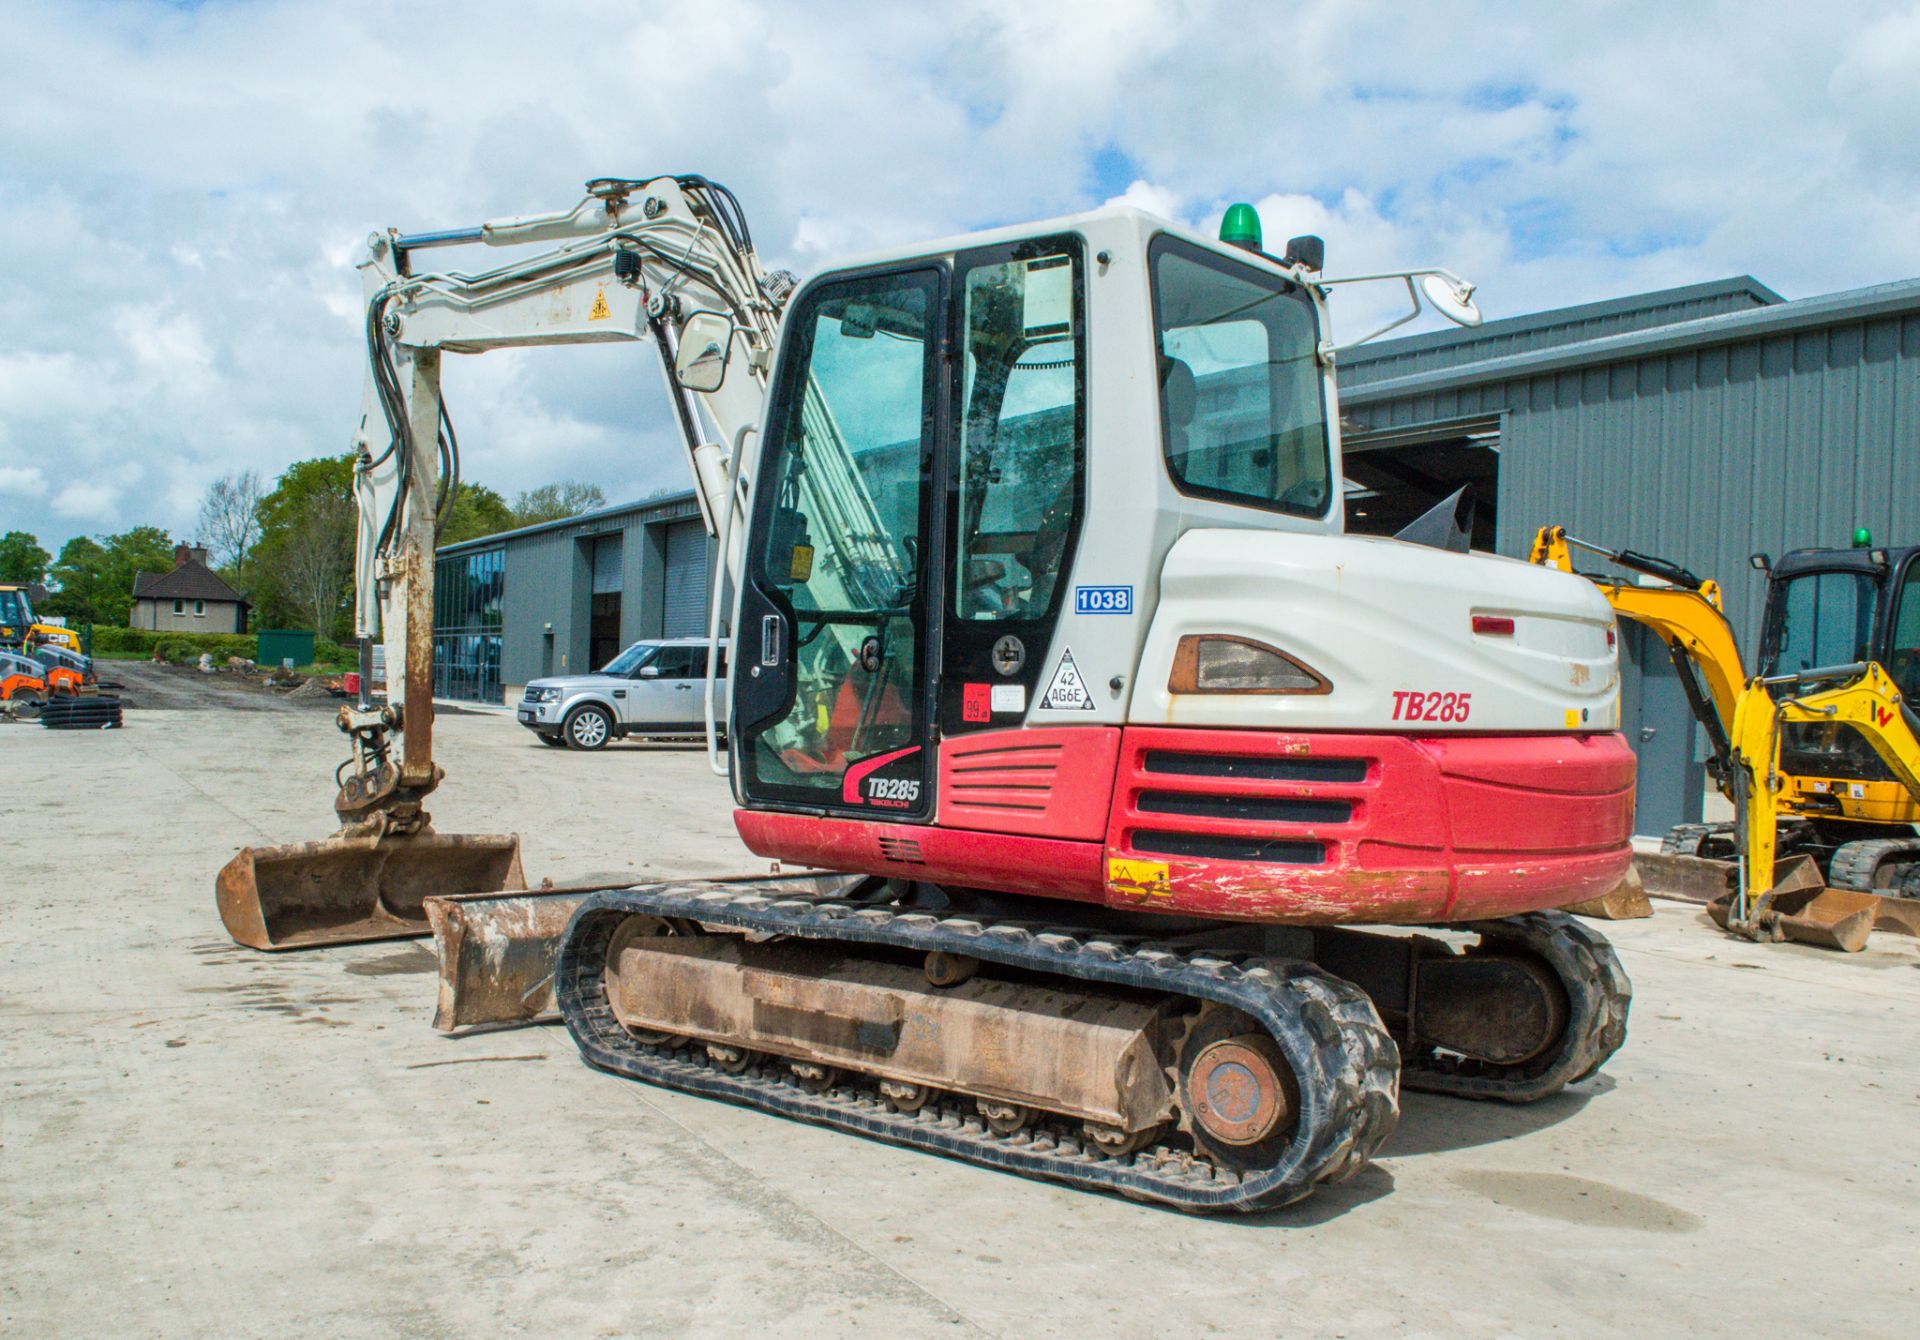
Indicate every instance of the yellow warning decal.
{"type": "Point", "coordinates": [600, 311]}
{"type": "Point", "coordinates": [1139, 879]}
{"type": "Point", "coordinates": [800, 565]}
{"type": "Point", "coordinates": [1573, 718]}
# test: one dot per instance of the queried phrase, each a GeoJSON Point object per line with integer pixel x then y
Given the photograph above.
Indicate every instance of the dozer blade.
{"type": "Point", "coordinates": [346, 890]}
{"type": "Point", "coordinates": [1626, 901]}
{"type": "Point", "coordinates": [497, 950]}
{"type": "Point", "coordinates": [1686, 879]}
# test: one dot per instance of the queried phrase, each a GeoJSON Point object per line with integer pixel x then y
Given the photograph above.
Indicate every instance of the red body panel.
{"type": "Point", "coordinates": [1434, 828]}
{"type": "Point", "coordinates": [1008, 862]}
{"type": "Point", "coordinates": [1315, 828]}
{"type": "Point", "coordinates": [1052, 781]}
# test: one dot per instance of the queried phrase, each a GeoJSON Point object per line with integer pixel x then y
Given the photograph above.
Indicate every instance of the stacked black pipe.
{"type": "Point", "coordinates": [90, 712]}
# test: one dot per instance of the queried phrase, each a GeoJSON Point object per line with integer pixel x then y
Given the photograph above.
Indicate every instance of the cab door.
{"type": "Point", "coordinates": [831, 707]}
{"type": "Point", "coordinates": [1018, 467]}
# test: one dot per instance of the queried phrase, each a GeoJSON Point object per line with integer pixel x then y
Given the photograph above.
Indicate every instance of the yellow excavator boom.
{"type": "Point", "coordinates": [1686, 616]}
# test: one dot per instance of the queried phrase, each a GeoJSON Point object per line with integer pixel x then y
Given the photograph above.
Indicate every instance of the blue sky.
{"type": "Point", "coordinates": [183, 187]}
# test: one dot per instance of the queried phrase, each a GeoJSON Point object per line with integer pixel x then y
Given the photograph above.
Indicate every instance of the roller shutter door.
{"type": "Point", "coordinates": [684, 613]}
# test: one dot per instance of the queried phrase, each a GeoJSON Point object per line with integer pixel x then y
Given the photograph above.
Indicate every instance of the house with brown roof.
{"type": "Point", "coordinates": [190, 599]}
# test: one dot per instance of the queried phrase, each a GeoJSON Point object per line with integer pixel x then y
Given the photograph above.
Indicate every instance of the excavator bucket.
{"type": "Point", "coordinates": [346, 890]}
{"type": "Point", "coordinates": [1801, 908]}
{"type": "Point", "coordinates": [497, 950]}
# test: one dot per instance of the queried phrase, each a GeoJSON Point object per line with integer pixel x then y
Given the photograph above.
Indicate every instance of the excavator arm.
{"type": "Point", "coordinates": [1685, 615]}
{"type": "Point", "coordinates": [667, 260]}
{"type": "Point", "coordinates": [1859, 695]}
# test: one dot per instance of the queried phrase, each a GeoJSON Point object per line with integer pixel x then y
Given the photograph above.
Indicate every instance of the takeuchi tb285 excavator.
{"type": "Point", "coordinates": [1049, 650]}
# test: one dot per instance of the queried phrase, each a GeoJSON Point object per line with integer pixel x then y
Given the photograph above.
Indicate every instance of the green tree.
{"type": "Point", "coordinates": [556, 502]}
{"type": "Point", "coordinates": [476, 510]}
{"type": "Point", "coordinates": [21, 557]}
{"type": "Point", "coordinates": [94, 577]}
{"type": "Point", "coordinates": [302, 564]}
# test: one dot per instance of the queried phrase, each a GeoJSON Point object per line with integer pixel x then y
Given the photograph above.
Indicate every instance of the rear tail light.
{"type": "Point", "coordinates": [1222, 663]}
{"type": "Point", "coordinates": [1493, 625]}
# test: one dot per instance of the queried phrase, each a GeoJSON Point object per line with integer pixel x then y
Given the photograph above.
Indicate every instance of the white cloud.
{"type": "Point", "coordinates": [1153, 199]}
{"type": "Point", "coordinates": [184, 303]}
{"type": "Point", "coordinates": [82, 501]}
{"type": "Point", "coordinates": [27, 481]}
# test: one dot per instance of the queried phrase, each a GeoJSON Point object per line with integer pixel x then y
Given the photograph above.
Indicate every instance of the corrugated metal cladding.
{"type": "Point", "coordinates": [608, 574]}
{"type": "Point", "coordinates": [552, 574]}
{"type": "Point", "coordinates": [1702, 441]}
{"type": "Point", "coordinates": [1545, 330]}
{"type": "Point", "coordinates": [684, 609]}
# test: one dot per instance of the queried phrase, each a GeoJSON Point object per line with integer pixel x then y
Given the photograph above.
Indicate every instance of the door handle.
{"type": "Point", "coordinates": [772, 632]}
{"type": "Point", "coordinates": [1647, 733]}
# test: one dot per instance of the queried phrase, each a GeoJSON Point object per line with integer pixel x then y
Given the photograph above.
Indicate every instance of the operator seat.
{"type": "Point", "coordinates": [1181, 394]}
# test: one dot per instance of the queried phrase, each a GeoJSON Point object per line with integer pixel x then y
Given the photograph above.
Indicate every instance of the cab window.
{"type": "Point", "coordinates": [1903, 655]}
{"type": "Point", "coordinates": [1018, 464]}
{"type": "Point", "coordinates": [1826, 618]}
{"type": "Point", "coordinates": [1241, 404]}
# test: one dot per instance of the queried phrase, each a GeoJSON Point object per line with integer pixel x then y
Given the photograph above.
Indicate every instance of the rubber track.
{"type": "Point", "coordinates": [1688, 839]}
{"type": "Point", "coordinates": [1327, 1029]}
{"type": "Point", "coordinates": [1854, 863]}
{"type": "Point", "coordinates": [1598, 999]}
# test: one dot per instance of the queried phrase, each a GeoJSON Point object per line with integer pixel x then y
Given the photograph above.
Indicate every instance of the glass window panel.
{"type": "Point", "coordinates": [1020, 445]}
{"type": "Point", "coordinates": [1241, 402]}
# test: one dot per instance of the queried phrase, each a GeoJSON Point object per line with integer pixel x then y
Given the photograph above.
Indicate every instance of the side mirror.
{"type": "Point", "coordinates": [1452, 300]}
{"type": "Point", "coordinates": [705, 342]}
{"type": "Point", "coordinates": [1308, 250]}
{"type": "Point", "coordinates": [1760, 563]}
{"type": "Point", "coordinates": [647, 672]}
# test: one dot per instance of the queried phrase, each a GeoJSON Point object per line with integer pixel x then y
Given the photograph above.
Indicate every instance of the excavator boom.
{"type": "Point", "coordinates": [666, 260]}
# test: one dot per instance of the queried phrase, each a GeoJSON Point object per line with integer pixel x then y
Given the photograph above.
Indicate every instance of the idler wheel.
{"type": "Point", "coordinates": [1240, 1096]}
{"type": "Point", "coordinates": [636, 928]}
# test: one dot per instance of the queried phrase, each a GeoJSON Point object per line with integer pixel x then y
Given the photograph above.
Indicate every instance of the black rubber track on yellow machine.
{"type": "Point", "coordinates": [1347, 1065]}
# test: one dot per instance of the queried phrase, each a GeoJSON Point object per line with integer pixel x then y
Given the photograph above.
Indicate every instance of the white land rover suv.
{"type": "Point", "coordinates": [653, 688]}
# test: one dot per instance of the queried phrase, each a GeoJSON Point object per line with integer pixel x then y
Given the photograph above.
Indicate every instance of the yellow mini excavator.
{"type": "Point", "coordinates": [1818, 750]}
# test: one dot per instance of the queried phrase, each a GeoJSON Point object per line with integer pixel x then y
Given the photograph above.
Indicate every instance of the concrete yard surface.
{"type": "Point", "coordinates": [197, 1139]}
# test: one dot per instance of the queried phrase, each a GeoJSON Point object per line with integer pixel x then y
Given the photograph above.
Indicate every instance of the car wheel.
{"type": "Point", "coordinates": [588, 727]}
{"type": "Point", "coordinates": [556, 741]}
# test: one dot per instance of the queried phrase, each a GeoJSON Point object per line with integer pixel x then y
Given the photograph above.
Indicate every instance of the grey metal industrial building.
{"type": "Point", "coordinates": [565, 596]}
{"type": "Point", "coordinates": [1701, 424]}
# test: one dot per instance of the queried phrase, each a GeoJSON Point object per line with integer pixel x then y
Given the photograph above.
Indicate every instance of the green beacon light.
{"type": "Point", "coordinates": [1862, 538]}
{"type": "Point", "coordinates": [1241, 227]}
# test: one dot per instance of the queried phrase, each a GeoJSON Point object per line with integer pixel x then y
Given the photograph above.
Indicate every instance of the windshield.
{"type": "Point", "coordinates": [639, 654]}
{"type": "Point", "coordinates": [12, 608]}
{"type": "Point", "coordinates": [1823, 618]}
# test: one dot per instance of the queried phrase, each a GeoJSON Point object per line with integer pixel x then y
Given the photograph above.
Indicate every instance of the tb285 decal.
{"type": "Point", "coordinates": [1412, 705]}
